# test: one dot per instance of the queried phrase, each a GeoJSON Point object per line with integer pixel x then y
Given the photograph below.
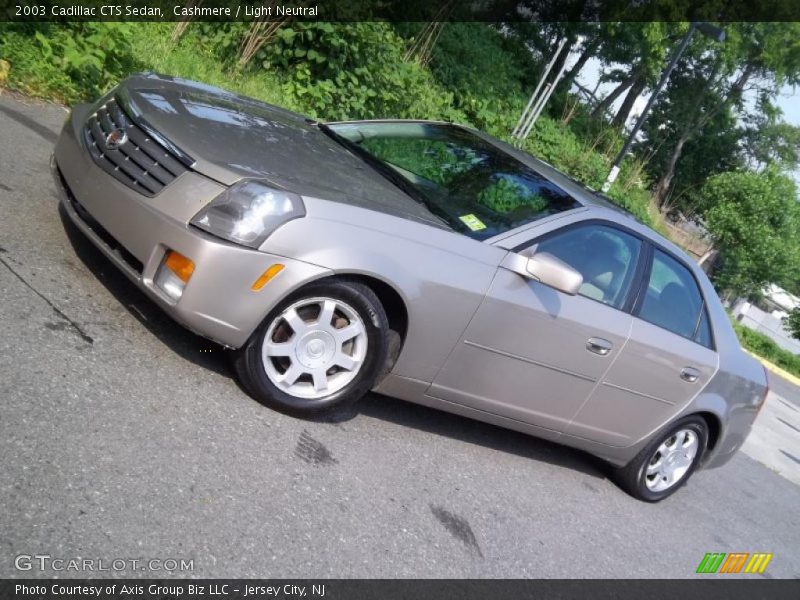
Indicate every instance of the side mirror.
{"type": "Point", "coordinates": [553, 272]}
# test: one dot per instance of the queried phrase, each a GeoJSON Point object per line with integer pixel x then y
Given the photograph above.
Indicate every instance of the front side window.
{"type": "Point", "coordinates": [605, 256]}
{"type": "Point", "coordinates": [478, 189]}
{"type": "Point", "coordinates": [673, 301]}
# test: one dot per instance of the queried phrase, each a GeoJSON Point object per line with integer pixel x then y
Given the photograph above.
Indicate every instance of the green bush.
{"type": "Point", "coordinates": [636, 201]}
{"type": "Point", "coordinates": [29, 73]}
{"type": "Point", "coordinates": [487, 73]}
{"type": "Point", "coordinates": [339, 70]}
{"type": "Point", "coordinates": [70, 62]}
{"type": "Point", "coordinates": [191, 58]}
{"type": "Point", "coordinates": [557, 144]}
{"type": "Point", "coordinates": [763, 346]}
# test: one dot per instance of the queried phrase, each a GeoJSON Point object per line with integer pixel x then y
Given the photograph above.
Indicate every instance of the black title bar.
{"type": "Point", "coordinates": [714, 587]}
{"type": "Point", "coordinates": [400, 10]}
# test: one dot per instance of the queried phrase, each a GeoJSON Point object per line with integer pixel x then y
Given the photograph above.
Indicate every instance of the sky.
{"type": "Point", "coordinates": [789, 101]}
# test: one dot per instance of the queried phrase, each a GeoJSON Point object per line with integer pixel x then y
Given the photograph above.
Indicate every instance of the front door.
{"type": "Point", "coordinates": [534, 354]}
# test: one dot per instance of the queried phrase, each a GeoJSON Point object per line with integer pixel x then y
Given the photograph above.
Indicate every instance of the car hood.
{"type": "Point", "coordinates": [232, 137]}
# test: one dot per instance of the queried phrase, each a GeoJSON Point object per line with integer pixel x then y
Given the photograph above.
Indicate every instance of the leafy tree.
{"type": "Point", "coordinates": [792, 323]}
{"type": "Point", "coordinates": [754, 219]}
{"type": "Point", "coordinates": [635, 54]}
{"type": "Point", "coordinates": [592, 40]}
{"type": "Point", "coordinates": [791, 280]}
{"type": "Point", "coordinates": [768, 139]}
{"type": "Point", "coordinates": [717, 150]}
{"type": "Point", "coordinates": [760, 57]}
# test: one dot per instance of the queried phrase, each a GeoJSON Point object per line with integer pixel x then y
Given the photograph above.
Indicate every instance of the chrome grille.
{"type": "Point", "coordinates": [140, 162]}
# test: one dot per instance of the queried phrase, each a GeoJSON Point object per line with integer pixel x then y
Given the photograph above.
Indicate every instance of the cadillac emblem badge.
{"type": "Point", "coordinates": [116, 138]}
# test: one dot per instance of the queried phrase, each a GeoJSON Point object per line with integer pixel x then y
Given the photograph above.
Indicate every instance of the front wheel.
{"type": "Point", "coordinates": [321, 348]}
{"type": "Point", "coordinates": [667, 462]}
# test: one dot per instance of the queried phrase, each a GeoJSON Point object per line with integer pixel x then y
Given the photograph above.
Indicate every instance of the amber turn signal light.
{"type": "Point", "coordinates": [180, 265]}
{"type": "Point", "coordinates": [266, 276]}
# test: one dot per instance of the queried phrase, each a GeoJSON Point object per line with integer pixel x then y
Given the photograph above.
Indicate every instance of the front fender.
{"type": "Point", "coordinates": [441, 276]}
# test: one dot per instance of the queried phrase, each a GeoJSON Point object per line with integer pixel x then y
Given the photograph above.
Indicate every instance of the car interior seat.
{"type": "Point", "coordinates": [603, 271]}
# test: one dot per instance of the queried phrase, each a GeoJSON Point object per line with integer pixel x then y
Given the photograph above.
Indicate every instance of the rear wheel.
{"type": "Point", "coordinates": [665, 464]}
{"type": "Point", "coordinates": [321, 348]}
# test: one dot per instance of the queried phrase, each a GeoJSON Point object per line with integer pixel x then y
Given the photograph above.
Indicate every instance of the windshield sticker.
{"type": "Point", "coordinates": [473, 222]}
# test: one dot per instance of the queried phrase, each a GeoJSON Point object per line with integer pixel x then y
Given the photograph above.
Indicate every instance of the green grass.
{"type": "Point", "coordinates": [189, 60]}
{"type": "Point", "coordinates": [30, 74]}
{"type": "Point", "coordinates": [760, 344]}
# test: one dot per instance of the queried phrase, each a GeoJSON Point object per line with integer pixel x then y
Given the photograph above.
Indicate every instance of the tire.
{"type": "Point", "coordinates": [662, 467]}
{"type": "Point", "coordinates": [321, 348]}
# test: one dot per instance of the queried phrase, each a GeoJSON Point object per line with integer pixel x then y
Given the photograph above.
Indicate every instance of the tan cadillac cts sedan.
{"type": "Point", "coordinates": [423, 260]}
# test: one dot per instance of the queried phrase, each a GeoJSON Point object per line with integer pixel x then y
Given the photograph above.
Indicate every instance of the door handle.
{"type": "Point", "coordinates": [690, 374]}
{"type": "Point", "coordinates": [599, 346]}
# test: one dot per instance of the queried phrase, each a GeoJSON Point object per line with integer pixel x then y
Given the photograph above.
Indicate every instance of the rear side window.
{"type": "Point", "coordinates": [673, 301]}
{"type": "Point", "coordinates": [605, 256]}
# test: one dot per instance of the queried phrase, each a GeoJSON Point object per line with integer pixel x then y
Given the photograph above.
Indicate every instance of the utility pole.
{"type": "Point", "coordinates": [706, 29]}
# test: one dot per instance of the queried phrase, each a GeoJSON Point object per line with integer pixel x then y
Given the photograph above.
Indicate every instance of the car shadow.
{"type": "Point", "coordinates": [470, 431]}
{"type": "Point", "coordinates": [180, 340]}
{"type": "Point", "coordinates": [208, 355]}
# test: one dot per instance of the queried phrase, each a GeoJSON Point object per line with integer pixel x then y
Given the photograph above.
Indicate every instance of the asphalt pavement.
{"type": "Point", "coordinates": [123, 436]}
{"type": "Point", "coordinates": [785, 389]}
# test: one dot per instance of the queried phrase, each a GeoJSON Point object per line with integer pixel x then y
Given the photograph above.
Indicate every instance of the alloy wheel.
{"type": "Point", "coordinates": [671, 460]}
{"type": "Point", "coordinates": [314, 348]}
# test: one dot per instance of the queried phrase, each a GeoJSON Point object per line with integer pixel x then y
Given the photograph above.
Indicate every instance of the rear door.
{"type": "Point", "coordinates": [668, 359]}
{"type": "Point", "coordinates": [534, 354]}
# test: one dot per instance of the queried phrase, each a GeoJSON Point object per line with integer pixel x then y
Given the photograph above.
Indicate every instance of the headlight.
{"type": "Point", "coordinates": [247, 212]}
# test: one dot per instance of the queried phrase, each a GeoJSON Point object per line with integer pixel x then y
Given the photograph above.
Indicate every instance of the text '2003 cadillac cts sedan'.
{"type": "Point", "coordinates": [424, 260]}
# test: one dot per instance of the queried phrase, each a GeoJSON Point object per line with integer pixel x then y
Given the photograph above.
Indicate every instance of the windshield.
{"type": "Point", "coordinates": [478, 189]}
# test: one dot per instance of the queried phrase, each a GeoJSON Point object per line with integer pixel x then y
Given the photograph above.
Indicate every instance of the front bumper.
{"type": "Point", "coordinates": [135, 232]}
